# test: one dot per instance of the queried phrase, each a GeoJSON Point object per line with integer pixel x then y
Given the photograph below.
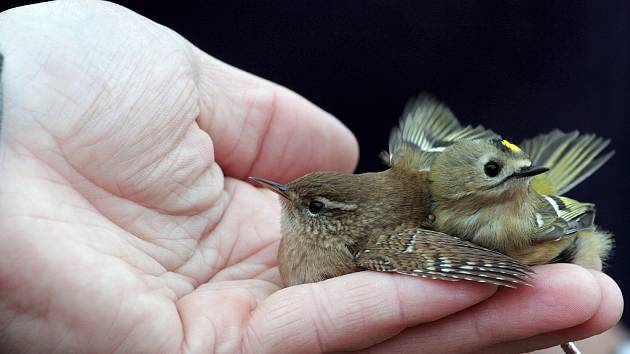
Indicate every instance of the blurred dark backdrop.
{"type": "Point", "coordinates": [520, 68]}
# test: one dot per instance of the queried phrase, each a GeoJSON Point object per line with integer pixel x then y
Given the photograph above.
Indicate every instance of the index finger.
{"type": "Point", "coordinates": [354, 311]}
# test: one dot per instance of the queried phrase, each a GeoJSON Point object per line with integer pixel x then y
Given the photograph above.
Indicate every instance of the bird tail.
{"type": "Point", "coordinates": [571, 157]}
{"type": "Point", "coordinates": [590, 249]}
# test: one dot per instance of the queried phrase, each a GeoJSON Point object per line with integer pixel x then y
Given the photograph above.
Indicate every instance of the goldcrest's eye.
{"type": "Point", "coordinates": [492, 169]}
{"type": "Point", "coordinates": [315, 206]}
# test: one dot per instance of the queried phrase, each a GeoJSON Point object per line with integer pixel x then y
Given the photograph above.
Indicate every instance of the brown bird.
{"type": "Point", "coordinates": [334, 223]}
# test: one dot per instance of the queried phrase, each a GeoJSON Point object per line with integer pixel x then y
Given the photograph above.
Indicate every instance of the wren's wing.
{"type": "Point", "coordinates": [426, 127]}
{"type": "Point", "coordinates": [426, 253]}
{"type": "Point", "coordinates": [571, 157]}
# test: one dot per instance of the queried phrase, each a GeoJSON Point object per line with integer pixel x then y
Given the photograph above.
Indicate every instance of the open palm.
{"type": "Point", "coordinates": [126, 226]}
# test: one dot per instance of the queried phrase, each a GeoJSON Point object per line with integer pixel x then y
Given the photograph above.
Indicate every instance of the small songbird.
{"type": "Point", "coordinates": [502, 200]}
{"type": "Point", "coordinates": [495, 194]}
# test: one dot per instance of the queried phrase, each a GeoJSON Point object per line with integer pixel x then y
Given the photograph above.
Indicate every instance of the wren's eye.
{"type": "Point", "coordinates": [315, 206]}
{"type": "Point", "coordinates": [492, 169]}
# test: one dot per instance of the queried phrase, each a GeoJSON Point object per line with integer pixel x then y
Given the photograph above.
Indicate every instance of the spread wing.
{"type": "Point", "coordinates": [571, 157]}
{"type": "Point", "coordinates": [432, 254]}
{"type": "Point", "coordinates": [426, 127]}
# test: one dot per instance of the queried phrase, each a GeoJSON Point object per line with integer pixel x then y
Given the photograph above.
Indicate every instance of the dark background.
{"type": "Point", "coordinates": [520, 68]}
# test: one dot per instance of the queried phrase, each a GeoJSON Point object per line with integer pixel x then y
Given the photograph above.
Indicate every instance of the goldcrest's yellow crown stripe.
{"type": "Point", "coordinates": [511, 146]}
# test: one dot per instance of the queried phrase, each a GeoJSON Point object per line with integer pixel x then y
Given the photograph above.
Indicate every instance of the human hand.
{"type": "Point", "coordinates": [126, 227]}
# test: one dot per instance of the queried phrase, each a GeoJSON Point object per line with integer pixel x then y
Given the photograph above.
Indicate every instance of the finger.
{"type": "Point", "coordinates": [262, 129]}
{"type": "Point", "coordinates": [354, 311]}
{"type": "Point", "coordinates": [213, 315]}
{"type": "Point", "coordinates": [563, 296]}
{"type": "Point", "coordinates": [607, 315]}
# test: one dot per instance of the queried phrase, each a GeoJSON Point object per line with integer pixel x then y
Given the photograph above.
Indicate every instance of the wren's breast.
{"type": "Point", "coordinates": [301, 261]}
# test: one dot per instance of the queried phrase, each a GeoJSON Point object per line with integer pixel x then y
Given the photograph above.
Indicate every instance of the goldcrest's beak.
{"type": "Point", "coordinates": [530, 171]}
{"type": "Point", "coordinates": [279, 188]}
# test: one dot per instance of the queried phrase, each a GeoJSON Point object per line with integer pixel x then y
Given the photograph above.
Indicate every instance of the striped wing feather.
{"type": "Point", "coordinates": [426, 253]}
{"type": "Point", "coordinates": [560, 217]}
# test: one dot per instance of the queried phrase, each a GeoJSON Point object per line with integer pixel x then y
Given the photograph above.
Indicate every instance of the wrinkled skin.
{"type": "Point", "coordinates": [126, 225]}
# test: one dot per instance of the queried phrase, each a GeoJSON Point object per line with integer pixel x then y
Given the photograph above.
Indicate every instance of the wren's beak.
{"type": "Point", "coordinates": [530, 171]}
{"type": "Point", "coordinates": [279, 188]}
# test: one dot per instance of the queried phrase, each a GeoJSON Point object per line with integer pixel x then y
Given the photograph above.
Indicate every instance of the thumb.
{"type": "Point", "coordinates": [263, 129]}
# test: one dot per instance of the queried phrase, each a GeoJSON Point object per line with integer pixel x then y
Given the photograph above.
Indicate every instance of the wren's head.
{"type": "Point", "coordinates": [319, 203]}
{"type": "Point", "coordinates": [486, 170]}
{"type": "Point", "coordinates": [324, 204]}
